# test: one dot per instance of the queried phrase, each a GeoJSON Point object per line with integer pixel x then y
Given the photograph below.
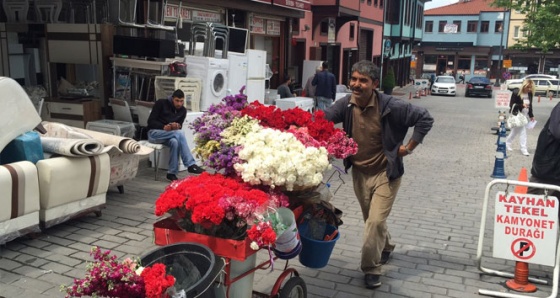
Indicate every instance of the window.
{"type": "Point", "coordinates": [472, 26]}
{"type": "Point", "coordinates": [376, 2]}
{"type": "Point", "coordinates": [352, 29]}
{"type": "Point", "coordinates": [525, 32]}
{"type": "Point", "coordinates": [393, 12]}
{"type": "Point", "coordinates": [458, 23]}
{"type": "Point", "coordinates": [429, 26]}
{"type": "Point", "coordinates": [498, 26]}
{"type": "Point", "coordinates": [484, 26]}
{"type": "Point", "coordinates": [420, 17]}
{"type": "Point", "coordinates": [369, 2]}
{"type": "Point", "coordinates": [325, 27]}
{"type": "Point", "coordinates": [516, 32]}
{"type": "Point", "coordinates": [441, 25]}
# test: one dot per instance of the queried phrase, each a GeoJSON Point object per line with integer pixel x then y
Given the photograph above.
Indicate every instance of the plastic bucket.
{"type": "Point", "coordinates": [289, 239]}
{"type": "Point", "coordinates": [194, 266]}
{"type": "Point", "coordinates": [316, 253]}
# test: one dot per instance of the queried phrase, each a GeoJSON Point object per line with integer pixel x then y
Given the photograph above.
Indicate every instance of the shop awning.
{"type": "Point", "coordinates": [303, 5]}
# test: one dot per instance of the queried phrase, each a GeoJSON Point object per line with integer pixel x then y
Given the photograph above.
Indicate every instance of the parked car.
{"type": "Point", "coordinates": [445, 85]}
{"type": "Point", "coordinates": [516, 82]}
{"type": "Point", "coordinates": [543, 86]}
{"type": "Point", "coordinates": [479, 86]}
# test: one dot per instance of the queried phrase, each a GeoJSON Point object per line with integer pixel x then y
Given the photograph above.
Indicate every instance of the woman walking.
{"type": "Point", "coordinates": [521, 102]}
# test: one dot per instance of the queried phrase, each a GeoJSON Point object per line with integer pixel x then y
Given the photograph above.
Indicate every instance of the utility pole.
{"type": "Point", "coordinates": [497, 84]}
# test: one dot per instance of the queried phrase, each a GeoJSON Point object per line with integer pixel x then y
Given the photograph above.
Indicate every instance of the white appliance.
{"type": "Point", "coordinates": [304, 103]}
{"type": "Point", "coordinates": [237, 72]}
{"type": "Point", "coordinates": [256, 75]}
{"type": "Point", "coordinates": [189, 135]}
{"type": "Point", "coordinates": [213, 73]}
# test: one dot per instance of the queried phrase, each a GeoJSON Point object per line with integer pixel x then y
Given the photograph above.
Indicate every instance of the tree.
{"type": "Point", "coordinates": [388, 81]}
{"type": "Point", "coordinates": [541, 22]}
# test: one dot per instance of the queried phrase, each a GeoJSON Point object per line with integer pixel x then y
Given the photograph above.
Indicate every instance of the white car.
{"type": "Point", "coordinates": [516, 83]}
{"type": "Point", "coordinates": [444, 85]}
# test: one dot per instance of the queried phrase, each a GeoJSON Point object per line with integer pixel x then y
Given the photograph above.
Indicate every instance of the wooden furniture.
{"type": "Point", "coordinates": [75, 113]}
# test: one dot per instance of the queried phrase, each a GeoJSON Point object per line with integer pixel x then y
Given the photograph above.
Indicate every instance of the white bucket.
{"type": "Point", "coordinates": [289, 239]}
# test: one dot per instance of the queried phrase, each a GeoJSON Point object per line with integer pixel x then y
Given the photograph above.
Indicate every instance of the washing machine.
{"type": "Point", "coordinates": [214, 75]}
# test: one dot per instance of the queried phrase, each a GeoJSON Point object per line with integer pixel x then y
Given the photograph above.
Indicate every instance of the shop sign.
{"type": "Point", "coordinates": [172, 11]}
{"type": "Point", "coordinates": [272, 27]}
{"type": "Point", "coordinates": [525, 228]}
{"type": "Point", "coordinates": [507, 63]}
{"type": "Point", "coordinates": [257, 25]}
{"type": "Point", "coordinates": [264, 1]}
{"type": "Point", "coordinates": [294, 4]}
{"type": "Point", "coordinates": [206, 16]}
{"type": "Point", "coordinates": [450, 49]}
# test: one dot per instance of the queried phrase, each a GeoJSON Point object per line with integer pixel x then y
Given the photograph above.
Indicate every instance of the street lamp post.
{"type": "Point", "coordinates": [497, 84]}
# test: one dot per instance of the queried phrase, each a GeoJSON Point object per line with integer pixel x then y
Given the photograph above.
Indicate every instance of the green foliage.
{"type": "Point", "coordinates": [541, 22]}
{"type": "Point", "coordinates": [389, 80]}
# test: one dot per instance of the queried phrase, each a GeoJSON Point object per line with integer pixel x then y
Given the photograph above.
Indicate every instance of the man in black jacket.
{"type": "Point", "coordinates": [546, 162]}
{"type": "Point", "coordinates": [164, 127]}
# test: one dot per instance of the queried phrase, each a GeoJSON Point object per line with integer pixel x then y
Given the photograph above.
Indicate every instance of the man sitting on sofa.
{"type": "Point", "coordinates": [164, 127]}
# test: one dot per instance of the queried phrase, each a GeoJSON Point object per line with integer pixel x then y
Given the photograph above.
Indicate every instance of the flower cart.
{"type": "Point", "coordinates": [167, 232]}
{"type": "Point", "coordinates": [259, 154]}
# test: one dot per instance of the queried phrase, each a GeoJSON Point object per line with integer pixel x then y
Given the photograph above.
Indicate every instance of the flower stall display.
{"type": "Point", "coordinates": [265, 145]}
{"type": "Point", "coordinates": [221, 206]}
{"type": "Point", "coordinates": [107, 277]}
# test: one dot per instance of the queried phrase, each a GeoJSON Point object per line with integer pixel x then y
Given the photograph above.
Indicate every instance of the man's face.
{"type": "Point", "coordinates": [178, 102]}
{"type": "Point", "coordinates": [362, 86]}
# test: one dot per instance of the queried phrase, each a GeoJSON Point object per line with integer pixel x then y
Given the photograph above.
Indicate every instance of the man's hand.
{"type": "Point", "coordinates": [172, 126]}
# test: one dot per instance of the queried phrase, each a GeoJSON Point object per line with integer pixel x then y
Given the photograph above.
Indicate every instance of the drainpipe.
{"type": "Point", "coordinates": [383, 43]}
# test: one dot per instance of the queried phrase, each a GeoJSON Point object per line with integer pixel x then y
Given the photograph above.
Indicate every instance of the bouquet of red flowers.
{"type": "Point", "coordinates": [107, 277]}
{"type": "Point", "coordinates": [217, 205]}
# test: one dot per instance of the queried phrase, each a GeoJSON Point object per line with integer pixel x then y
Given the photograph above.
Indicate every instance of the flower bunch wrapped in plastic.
{"type": "Point", "coordinates": [107, 277]}
{"type": "Point", "coordinates": [222, 206]}
{"type": "Point", "coordinates": [265, 145]}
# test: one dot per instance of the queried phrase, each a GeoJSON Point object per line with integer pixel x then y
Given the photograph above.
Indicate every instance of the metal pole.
{"type": "Point", "coordinates": [497, 84]}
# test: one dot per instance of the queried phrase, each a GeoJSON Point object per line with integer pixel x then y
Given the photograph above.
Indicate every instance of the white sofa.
{"type": "Point", "coordinates": [19, 197]}
{"type": "Point", "coordinates": [71, 186]}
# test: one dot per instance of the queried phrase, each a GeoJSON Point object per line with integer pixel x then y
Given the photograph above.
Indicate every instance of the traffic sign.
{"type": "Point", "coordinates": [525, 228]}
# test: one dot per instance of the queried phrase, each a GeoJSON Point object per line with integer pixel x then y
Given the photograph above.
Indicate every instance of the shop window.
{"type": "Point", "coordinates": [430, 59]}
{"type": "Point", "coordinates": [429, 26]}
{"type": "Point", "coordinates": [458, 23]}
{"type": "Point", "coordinates": [441, 26]}
{"type": "Point", "coordinates": [472, 26]}
{"type": "Point", "coordinates": [464, 63]}
{"type": "Point", "coordinates": [498, 26]}
{"type": "Point", "coordinates": [352, 29]}
{"type": "Point", "coordinates": [484, 26]}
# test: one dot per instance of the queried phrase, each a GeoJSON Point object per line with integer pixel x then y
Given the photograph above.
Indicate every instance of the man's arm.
{"type": "Point", "coordinates": [554, 124]}
{"type": "Point", "coordinates": [154, 121]}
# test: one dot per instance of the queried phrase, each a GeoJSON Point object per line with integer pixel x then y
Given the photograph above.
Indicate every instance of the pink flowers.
{"type": "Point", "coordinates": [107, 277]}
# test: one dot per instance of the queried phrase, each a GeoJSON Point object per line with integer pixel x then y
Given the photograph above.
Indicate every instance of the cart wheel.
{"type": "Point", "coordinates": [294, 288]}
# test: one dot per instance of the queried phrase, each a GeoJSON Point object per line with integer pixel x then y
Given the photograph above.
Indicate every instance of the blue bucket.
{"type": "Point", "coordinates": [316, 253]}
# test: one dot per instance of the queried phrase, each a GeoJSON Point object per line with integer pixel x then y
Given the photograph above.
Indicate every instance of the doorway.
{"type": "Point", "coordinates": [331, 54]}
{"type": "Point", "coordinates": [441, 66]}
{"type": "Point", "coordinates": [349, 57]}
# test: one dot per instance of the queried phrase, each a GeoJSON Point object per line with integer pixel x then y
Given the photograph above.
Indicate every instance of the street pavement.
{"type": "Point", "coordinates": [435, 220]}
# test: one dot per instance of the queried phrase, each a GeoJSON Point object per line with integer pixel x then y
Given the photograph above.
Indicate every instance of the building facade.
{"type": "Point", "coordinates": [466, 38]}
{"type": "Point", "coordinates": [524, 62]}
{"type": "Point", "coordinates": [402, 30]}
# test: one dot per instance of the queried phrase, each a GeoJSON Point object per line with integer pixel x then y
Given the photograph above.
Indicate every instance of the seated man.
{"type": "Point", "coordinates": [164, 127]}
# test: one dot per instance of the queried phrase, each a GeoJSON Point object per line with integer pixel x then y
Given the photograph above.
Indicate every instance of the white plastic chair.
{"type": "Point", "coordinates": [143, 109]}
{"type": "Point", "coordinates": [121, 110]}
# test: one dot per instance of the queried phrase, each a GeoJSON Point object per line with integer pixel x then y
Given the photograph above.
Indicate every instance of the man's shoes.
{"type": "Point", "coordinates": [509, 148]}
{"type": "Point", "coordinates": [372, 281]}
{"type": "Point", "coordinates": [172, 177]}
{"type": "Point", "coordinates": [194, 169]}
{"type": "Point", "coordinates": [385, 256]}
{"type": "Point", "coordinates": [526, 153]}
